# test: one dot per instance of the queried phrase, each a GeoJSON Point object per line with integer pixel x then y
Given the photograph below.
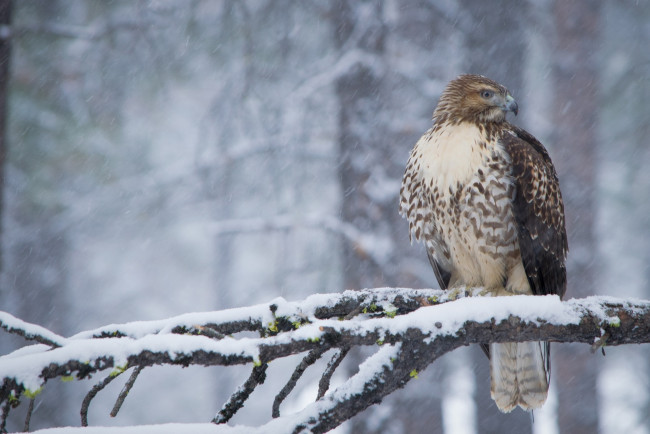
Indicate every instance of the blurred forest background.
{"type": "Point", "coordinates": [164, 157]}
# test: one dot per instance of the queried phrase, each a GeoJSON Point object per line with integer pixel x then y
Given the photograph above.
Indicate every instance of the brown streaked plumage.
{"type": "Point", "coordinates": [484, 198]}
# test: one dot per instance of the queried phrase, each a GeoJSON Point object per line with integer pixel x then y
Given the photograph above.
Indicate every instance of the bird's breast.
{"type": "Point", "coordinates": [451, 156]}
{"type": "Point", "coordinates": [467, 178]}
{"type": "Point", "coordinates": [442, 161]}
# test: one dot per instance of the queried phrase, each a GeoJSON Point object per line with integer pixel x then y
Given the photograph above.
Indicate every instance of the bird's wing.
{"type": "Point", "coordinates": [539, 212]}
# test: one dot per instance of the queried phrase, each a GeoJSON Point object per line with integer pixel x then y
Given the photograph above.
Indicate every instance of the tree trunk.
{"type": "Point", "coordinates": [34, 280]}
{"type": "Point", "coordinates": [575, 78]}
{"type": "Point", "coordinates": [360, 138]}
{"type": "Point", "coordinates": [624, 125]}
{"type": "Point", "coordinates": [5, 57]}
{"type": "Point", "coordinates": [368, 149]}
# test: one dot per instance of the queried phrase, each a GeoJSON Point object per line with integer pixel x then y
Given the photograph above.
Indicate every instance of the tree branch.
{"type": "Point", "coordinates": [85, 404]}
{"type": "Point", "coordinates": [28, 417]}
{"type": "Point", "coordinates": [29, 331]}
{"type": "Point", "coordinates": [412, 328]}
{"type": "Point", "coordinates": [324, 383]}
{"type": "Point", "coordinates": [238, 399]}
{"type": "Point", "coordinates": [125, 390]}
{"type": "Point", "coordinates": [309, 360]}
{"type": "Point", "coordinates": [366, 241]}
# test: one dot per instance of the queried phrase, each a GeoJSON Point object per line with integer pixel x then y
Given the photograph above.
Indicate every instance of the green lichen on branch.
{"type": "Point", "coordinates": [390, 310]}
{"type": "Point", "coordinates": [370, 309]}
{"type": "Point", "coordinates": [14, 399]}
{"type": "Point", "coordinates": [31, 394]}
{"type": "Point", "coordinates": [118, 370]}
{"type": "Point", "coordinates": [272, 327]}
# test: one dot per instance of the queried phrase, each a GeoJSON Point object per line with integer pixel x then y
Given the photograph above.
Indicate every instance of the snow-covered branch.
{"type": "Point", "coordinates": [412, 328]}
{"type": "Point", "coordinates": [29, 331]}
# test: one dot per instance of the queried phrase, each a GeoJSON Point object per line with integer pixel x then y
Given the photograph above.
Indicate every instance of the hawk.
{"type": "Point", "coordinates": [484, 198]}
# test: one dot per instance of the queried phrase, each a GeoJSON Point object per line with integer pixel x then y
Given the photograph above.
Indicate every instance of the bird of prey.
{"type": "Point", "coordinates": [484, 198]}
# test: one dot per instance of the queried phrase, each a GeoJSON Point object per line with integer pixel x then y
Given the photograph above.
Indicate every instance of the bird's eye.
{"type": "Point", "coordinates": [487, 94]}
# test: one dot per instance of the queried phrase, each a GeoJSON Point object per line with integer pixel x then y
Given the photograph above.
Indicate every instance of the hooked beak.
{"type": "Point", "coordinates": [511, 105]}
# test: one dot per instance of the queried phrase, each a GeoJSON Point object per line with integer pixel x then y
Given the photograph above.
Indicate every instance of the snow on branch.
{"type": "Point", "coordinates": [411, 328]}
{"type": "Point", "coordinates": [30, 331]}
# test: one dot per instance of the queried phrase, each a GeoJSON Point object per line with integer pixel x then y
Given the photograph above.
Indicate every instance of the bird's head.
{"type": "Point", "coordinates": [474, 98]}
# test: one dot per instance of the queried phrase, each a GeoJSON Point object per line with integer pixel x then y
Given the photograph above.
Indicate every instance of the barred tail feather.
{"type": "Point", "coordinates": [532, 376]}
{"type": "Point", "coordinates": [518, 375]}
{"type": "Point", "coordinates": [503, 372]}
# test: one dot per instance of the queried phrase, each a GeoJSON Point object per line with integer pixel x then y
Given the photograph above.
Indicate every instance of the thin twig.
{"type": "Point", "coordinates": [125, 390]}
{"type": "Point", "coordinates": [28, 417]}
{"type": "Point", "coordinates": [94, 391]}
{"type": "Point", "coordinates": [354, 312]}
{"type": "Point", "coordinates": [309, 360]}
{"type": "Point", "coordinates": [600, 343]}
{"type": "Point", "coordinates": [5, 414]}
{"type": "Point", "coordinates": [241, 395]}
{"type": "Point", "coordinates": [324, 383]}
